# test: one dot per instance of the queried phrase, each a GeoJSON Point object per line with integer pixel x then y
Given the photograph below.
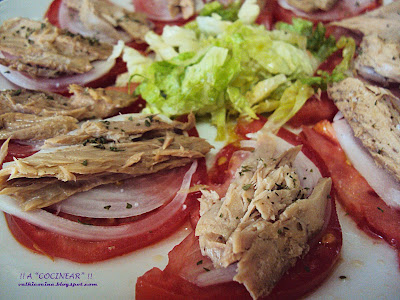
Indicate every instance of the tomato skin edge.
{"type": "Point", "coordinates": [81, 251]}
{"type": "Point", "coordinates": [364, 206]}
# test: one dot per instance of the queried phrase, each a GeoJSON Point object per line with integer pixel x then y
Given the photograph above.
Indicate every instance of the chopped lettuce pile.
{"type": "Point", "coordinates": [219, 67]}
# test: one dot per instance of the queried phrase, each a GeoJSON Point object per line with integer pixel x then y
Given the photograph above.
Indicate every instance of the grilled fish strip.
{"type": "Point", "coordinates": [374, 115]}
{"type": "Point", "coordinates": [64, 170]}
{"type": "Point", "coordinates": [43, 50]}
{"type": "Point", "coordinates": [35, 115]}
{"type": "Point", "coordinates": [110, 19]}
{"type": "Point", "coordinates": [25, 126]}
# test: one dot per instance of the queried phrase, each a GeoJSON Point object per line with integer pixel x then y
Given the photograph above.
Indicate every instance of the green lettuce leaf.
{"type": "Point", "coordinates": [317, 42]}
{"type": "Point", "coordinates": [229, 69]}
{"type": "Point", "coordinates": [291, 101]}
{"type": "Point", "coordinates": [341, 71]}
{"type": "Point", "coordinates": [229, 13]}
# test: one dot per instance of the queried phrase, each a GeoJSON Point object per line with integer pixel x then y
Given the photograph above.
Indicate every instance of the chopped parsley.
{"type": "Point", "coordinates": [16, 92]}
{"type": "Point", "coordinates": [100, 146]}
{"type": "Point", "coordinates": [128, 205]}
{"type": "Point", "coordinates": [244, 169]}
{"type": "Point", "coordinates": [115, 149]}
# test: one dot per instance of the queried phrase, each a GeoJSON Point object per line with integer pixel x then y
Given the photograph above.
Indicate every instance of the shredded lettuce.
{"type": "Point", "coordinates": [220, 68]}
{"type": "Point", "coordinates": [291, 101]}
{"type": "Point", "coordinates": [229, 13]}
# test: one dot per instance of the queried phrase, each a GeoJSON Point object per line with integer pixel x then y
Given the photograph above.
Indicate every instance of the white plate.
{"type": "Point", "coordinates": [370, 266]}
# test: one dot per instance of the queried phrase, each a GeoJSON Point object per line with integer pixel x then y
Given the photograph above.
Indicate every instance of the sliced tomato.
{"type": "Point", "coordinates": [85, 251]}
{"type": "Point", "coordinates": [245, 126]}
{"type": "Point", "coordinates": [304, 277]}
{"type": "Point", "coordinates": [82, 251]}
{"type": "Point", "coordinates": [52, 13]}
{"type": "Point", "coordinates": [314, 110]}
{"type": "Point", "coordinates": [19, 150]}
{"type": "Point", "coordinates": [266, 16]}
{"type": "Point", "coordinates": [361, 202]}
{"type": "Point", "coordinates": [341, 10]}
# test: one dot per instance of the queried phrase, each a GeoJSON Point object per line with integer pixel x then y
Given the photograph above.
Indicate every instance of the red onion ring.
{"type": "Point", "coordinates": [53, 223]}
{"type": "Point", "coordinates": [145, 193]}
{"type": "Point", "coordinates": [216, 276]}
{"type": "Point", "coordinates": [383, 183]}
{"type": "Point", "coordinates": [337, 12]}
{"type": "Point", "coordinates": [69, 19]}
{"type": "Point", "coordinates": [57, 84]}
{"type": "Point", "coordinates": [155, 10]}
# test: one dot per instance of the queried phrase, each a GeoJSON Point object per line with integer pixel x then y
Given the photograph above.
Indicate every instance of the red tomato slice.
{"type": "Point", "coordinates": [341, 10]}
{"type": "Point", "coordinates": [56, 245]}
{"type": "Point", "coordinates": [314, 110]}
{"type": "Point", "coordinates": [83, 251]}
{"type": "Point", "coordinates": [304, 277]}
{"type": "Point", "coordinates": [361, 202]}
{"type": "Point", "coordinates": [266, 17]}
{"type": "Point", "coordinates": [18, 150]}
{"type": "Point", "coordinates": [52, 13]}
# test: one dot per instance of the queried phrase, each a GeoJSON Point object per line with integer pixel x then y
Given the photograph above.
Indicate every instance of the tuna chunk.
{"type": "Point", "coordinates": [85, 103]}
{"type": "Point", "coordinates": [265, 219]}
{"type": "Point", "coordinates": [379, 58]}
{"type": "Point", "coordinates": [124, 129]}
{"type": "Point", "coordinates": [312, 5]}
{"type": "Point", "coordinates": [186, 7]}
{"type": "Point", "coordinates": [43, 50]}
{"type": "Point", "coordinates": [25, 126]}
{"type": "Point", "coordinates": [374, 115]}
{"type": "Point", "coordinates": [37, 103]}
{"type": "Point", "coordinates": [277, 246]}
{"type": "Point", "coordinates": [109, 19]}
{"type": "Point", "coordinates": [383, 21]}
{"type": "Point", "coordinates": [39, 115]}
{"type": "Point", "coordinates": [98, 103]}
{"type": "Point", "coordinates": [98, 160]}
